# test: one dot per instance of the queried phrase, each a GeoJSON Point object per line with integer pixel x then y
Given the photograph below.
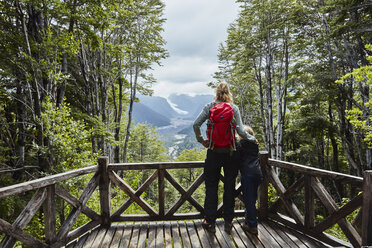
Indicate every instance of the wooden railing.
{"type": "Point", "coordinates": [302, 218]}
{"type": "Point", "coordinates": [106, 176]}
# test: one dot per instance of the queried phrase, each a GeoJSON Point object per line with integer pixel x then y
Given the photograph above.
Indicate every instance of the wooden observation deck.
{"type": "Point", "coordinates": [295, 215]}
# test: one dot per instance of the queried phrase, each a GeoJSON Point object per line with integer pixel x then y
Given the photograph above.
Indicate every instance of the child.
{"type": "Point", "coordinates": [251, 177]}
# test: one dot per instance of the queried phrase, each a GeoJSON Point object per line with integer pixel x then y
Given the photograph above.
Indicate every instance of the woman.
{"type": "Point", "coordinates": [218, 157]}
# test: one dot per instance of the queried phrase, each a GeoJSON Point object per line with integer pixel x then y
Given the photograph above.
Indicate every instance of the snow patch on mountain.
{"type": "Point", "coordinates": [175, 108]}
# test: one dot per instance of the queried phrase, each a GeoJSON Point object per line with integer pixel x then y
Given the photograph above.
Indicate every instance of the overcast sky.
{"type": "Point", "coordinates": [193, 31]}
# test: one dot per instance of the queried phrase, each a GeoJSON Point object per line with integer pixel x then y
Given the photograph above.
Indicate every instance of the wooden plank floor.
{"type": "Point", "coordinates": [191, 234]}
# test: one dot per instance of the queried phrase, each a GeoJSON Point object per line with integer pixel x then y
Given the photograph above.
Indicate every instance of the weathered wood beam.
{"type": "Point", "coordinates": [288, 203]}
{"type": "Point", "coordinates": [332, 207]}
{"type": "Point", "coordinates": [291, 191]}
{"type": "Point", "coordinates": [18, 234]}
{"type": "Point", "coordinates": [65, 195]}
{"type": "Point", "coordinates": [26, 215]}
{"type": "Point", "coordinates": [156, 166]}
{"type": "Point", "coordinates": [220, 206]}
{"type": "Point", "coordinates": [180, 189]}
{"type": "Point", "coordinates": [131, 193]}
{"type": "Point", "coordinates": [187, 195]}
{"type": "Point", "coordinates": [339, 214]}
{"type": "Point", "coordinates": [309, 203]}
{"type": "Point", "coordinates": [104, 191]}
{"type": "Point", "coordinates": [367, 209]}
{"type": "Point", "coordinates": [307, 170]}
{"type": "Point", "coordinates": [142, 217]}
{"type": "Point", "coordinates": [357, 221]}
{"type": "Point", "coordinates": [78, 232]}
{"type": "Point", "coordinates": [238, 192]}
{"type": "Point", "coordinates": [50, 215]}
{"type": "Point", "coordinates": [45, 181]}
{"type": "Point", "coordinates": [176, 216]}
{"type": "Point", "coordinates": [138, 193]}
{"type": "Point", "coordinates": [161, 191]}
{"type": "Point", "coordinates": [74, 214]}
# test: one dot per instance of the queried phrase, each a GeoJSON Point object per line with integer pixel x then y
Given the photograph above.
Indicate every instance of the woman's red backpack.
{"type": "Point", "coordinates": [221, 130]}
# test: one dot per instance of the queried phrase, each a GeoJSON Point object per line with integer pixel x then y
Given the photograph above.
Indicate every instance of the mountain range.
{"type": "Point", "coordinates": [159, 111]}
{"type": "Point", "coordinates": [173, 118]}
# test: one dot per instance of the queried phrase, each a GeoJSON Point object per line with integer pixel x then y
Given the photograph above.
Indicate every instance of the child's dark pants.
{"type": "Point", "coordinates": [250, 183]}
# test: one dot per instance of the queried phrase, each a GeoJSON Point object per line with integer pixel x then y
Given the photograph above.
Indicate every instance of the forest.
{"type": "Point", "coordinates": [70, 71]}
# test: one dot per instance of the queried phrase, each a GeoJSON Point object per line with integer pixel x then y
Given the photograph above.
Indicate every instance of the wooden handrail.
{"type": "Point", "coordinates": [106, 174]}
{"type": "Point", "coordinates": [45, 181]}
{"type": "Point", "coordinates": [156, 166]}
{"type": "Point", "coordinates": [312, 171]}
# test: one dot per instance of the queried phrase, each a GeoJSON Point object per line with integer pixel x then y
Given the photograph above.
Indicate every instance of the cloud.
{"type": "Point", "coordinates": [166, 88]}
{"type": "Point", "coordinates": [193, 31]}
{"type": "Point", "coordinates": [183, 69]}
{"type": "Point", "coordinates": [196, 27]}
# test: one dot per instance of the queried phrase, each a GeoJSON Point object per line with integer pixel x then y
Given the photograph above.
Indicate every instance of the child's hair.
{"type": "Point", "coordinates": [248, 129]}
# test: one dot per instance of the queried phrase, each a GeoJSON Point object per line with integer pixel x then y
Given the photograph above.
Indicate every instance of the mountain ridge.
{"type": "Point", "coordinates": [151, 109]}
{"type": "Point", "coordinates": [173, 118]}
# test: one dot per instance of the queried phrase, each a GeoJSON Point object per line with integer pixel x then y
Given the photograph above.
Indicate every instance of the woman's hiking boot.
{"type": "Point", "coordinates": [210, 227]}
{"type": "Point", "coordinates": [250, 229]}
{"type": "Point", "coordinates": [228, 227]}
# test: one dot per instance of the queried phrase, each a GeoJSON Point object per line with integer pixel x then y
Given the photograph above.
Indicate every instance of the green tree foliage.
{"type": "Point", "coordinates": [69, 72]}
{"type": "Point", "coordinates": [281, 59]}
{"type": "Point", "coordinates": [145, 146]}
{"type": "Point", "coordinates": [69, 145]}
{"type": "Point", "coordinates": [93, 55]}
{"type": "Point", "coordinates": [357, 116]}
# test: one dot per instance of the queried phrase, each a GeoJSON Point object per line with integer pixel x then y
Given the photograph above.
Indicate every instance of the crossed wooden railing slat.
{"type": "Point", "coordinates": [186, 195]}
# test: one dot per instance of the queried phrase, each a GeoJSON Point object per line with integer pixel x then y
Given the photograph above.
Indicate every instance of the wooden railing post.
{"type": "Point", "coordinates": [263, 197]}
{"type": "Point", "coordinates": [309, 203]}
{"type": "Point", "coordinates": [367, 209]}
{"type": "Point", "coordinates": [50, 215]}
{"type": "Point", "coordinates": [161, 185]}
{"type": "Point", "coordinates": [104, 191]}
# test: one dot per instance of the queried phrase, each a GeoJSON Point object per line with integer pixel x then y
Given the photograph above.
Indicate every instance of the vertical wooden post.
{"type": "Point", "coordinates": [309, 203]}
{"type": "Point", "coordinates": [50, 215]}
{"type": "Point", "coordinates": [367, 209]}
{"type": "Point", "coordinates": [263, 191]}
{"type": "Point", "coordinates": [104, 191]}
{"type": "Point", "coordinates": [161, 185]}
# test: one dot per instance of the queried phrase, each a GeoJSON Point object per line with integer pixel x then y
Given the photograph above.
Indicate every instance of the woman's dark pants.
{"type": "Point", "coordinates": [212, 168]}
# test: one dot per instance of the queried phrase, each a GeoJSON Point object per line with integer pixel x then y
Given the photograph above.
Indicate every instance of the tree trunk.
{"type": "Point", "coordinates": [34, 29]}
{"type": "Point", "coordinates": [21, 133]}
{"type": "Point", "coordinates": [118, 113]}
{"type": "Point", "coordinates": [262, 103]}
{"type": "Point", "coordinates": [269, 99]}
{"type": "Point", "coordinates": [133, 88]}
